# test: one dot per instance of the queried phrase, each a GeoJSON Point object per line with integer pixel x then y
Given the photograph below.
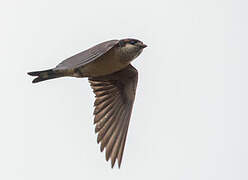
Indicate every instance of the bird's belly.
{"type": "Point", "coordinates": [102, 66]}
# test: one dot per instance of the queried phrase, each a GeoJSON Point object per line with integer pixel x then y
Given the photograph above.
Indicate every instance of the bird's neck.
{"type": "Point", "coordinates": [128, 53]}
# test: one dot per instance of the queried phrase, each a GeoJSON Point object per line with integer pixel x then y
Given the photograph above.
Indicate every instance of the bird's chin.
{"type": "Point", "coordinates": [138, 53]}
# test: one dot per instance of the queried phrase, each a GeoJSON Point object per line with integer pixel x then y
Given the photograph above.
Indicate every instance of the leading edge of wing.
{"type": "Point", "coordinates": [87, 56]}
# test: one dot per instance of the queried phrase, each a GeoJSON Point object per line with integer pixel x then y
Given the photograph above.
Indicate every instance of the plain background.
{"type": "Point", "coordinates": [190, 116]}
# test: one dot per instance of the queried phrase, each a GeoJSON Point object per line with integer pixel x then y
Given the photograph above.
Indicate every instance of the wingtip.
{"type": "Point", "coordinates": [112, 166]}
{"type": "Point", "coordinates": [119, 163]}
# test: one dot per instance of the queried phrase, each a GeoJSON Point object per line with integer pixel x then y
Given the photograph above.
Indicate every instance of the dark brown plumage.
{"type": "Point", "coordinates": [113, 106]}
{"type": "Point", "coordinates": [113, 80]}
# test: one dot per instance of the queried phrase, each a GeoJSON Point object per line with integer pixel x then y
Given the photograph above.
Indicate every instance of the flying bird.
{"type": "Point", "coordinates": [113, 80]}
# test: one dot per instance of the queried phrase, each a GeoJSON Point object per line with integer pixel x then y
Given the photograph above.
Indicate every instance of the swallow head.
{"type": "Point", "coordinates": [131, 48]}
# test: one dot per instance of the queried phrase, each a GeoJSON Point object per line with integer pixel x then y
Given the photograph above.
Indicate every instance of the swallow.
{"type": "Point", "coordinates": [113, 80]}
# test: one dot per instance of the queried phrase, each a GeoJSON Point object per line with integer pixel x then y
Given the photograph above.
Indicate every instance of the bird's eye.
{"type": "Point", "coordinates": [132, 42]}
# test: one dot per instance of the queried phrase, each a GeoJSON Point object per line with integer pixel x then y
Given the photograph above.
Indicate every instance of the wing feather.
{"type": "Point", "coordinates": [115, 134]}
{"type": "Point", "coordinates": [104, 88]}
{"type": "Point", "coordinates": [87, 56]}
{"type": "Point", "coordinates": [110, 151]}
{"type": "Point", "coordinates": [102, 114]}
{"type": "Point", "coordinates": [103, 131]}
{"type": "Point", "coordinates": [123, 140]}
{"type": "Point", "coordinates": [99, 100]}
{"type": "Point", "coordinates": [117, 144]}
{"type": "Point", "coordinates": [109, 131]}
{"type": "Point", "coordinates": [115, 95]}
{"type": "Point", "coordinates": [106, 117]}
{"type": "Point", "coordinates": [108, 91]}
{"type": "Point", "coordinates": [104, 104]}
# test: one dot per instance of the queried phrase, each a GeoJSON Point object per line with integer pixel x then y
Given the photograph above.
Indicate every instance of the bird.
{"type": "Point", "coordinates": [114, 80]}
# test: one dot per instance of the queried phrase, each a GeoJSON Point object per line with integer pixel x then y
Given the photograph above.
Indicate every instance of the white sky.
{"type": "Point", "coordinates": [190, 116]}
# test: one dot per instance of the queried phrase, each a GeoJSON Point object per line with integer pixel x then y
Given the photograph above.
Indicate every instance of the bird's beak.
{"type": "Point", "coordinates": [143, 46]}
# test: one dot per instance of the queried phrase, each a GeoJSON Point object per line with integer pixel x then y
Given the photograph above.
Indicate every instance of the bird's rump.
{"type": "Point", "coordinates": [115, 95]}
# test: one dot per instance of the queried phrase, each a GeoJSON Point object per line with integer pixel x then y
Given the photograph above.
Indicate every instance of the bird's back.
{"type": "Point", "coordinates": [86, 56]}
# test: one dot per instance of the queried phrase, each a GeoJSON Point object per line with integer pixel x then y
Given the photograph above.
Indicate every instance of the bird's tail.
{"type": "Point", "coordinates": [45, 75]}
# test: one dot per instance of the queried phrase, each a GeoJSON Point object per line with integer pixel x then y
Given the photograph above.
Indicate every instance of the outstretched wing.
{"type": "Point", "coordinates": [115, 95]}
{"type": "Point", "coordinates": [87, 56]}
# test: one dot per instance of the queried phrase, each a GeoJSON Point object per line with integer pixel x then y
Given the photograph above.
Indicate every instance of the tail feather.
{"type": "Point", "coordinates": [44, 75]}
